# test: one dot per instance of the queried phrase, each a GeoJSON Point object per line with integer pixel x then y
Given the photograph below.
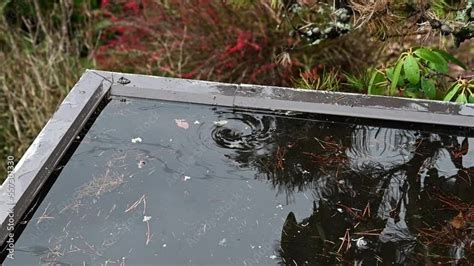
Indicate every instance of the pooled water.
{"type": "Point", "coordinates": [253, 188]}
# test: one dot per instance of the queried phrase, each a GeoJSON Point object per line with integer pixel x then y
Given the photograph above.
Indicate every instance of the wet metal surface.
{"type": "Point", "coordinates": [169, 183]}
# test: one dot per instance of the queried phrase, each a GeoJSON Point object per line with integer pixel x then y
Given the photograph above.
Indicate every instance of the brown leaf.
{"type": "Point", "coordinates": [458, 221]}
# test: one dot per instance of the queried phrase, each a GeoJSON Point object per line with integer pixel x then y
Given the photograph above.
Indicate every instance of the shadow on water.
{"type": "Point", "coordinates": [380, 195]}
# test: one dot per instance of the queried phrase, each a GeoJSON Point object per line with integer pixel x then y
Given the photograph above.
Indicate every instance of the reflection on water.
{"type": "Point", "coordinates": [240, 188]}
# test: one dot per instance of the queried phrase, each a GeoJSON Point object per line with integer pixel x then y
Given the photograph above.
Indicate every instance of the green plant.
{"type": "Point", "coordinates": [420, 73]}
{"type": "Point", "coordinates": [327, 80]}
{"type": "Point", "coordinates": [360, 81]}
{"type": "Point", "coordinates": [464, 89]}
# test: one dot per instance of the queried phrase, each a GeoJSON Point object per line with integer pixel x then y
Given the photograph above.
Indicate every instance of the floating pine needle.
{"type": "Point", "coordinates": [142, 199]}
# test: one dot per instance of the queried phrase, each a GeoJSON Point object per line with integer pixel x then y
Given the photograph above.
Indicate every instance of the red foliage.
{"type": "Point", "coordinates": [244, 39]}
{"type": "Point", "coordinates": [199, 39]}
{"type": "Point", "coordinates": [104, 3]}
{"type": "Point", "coordinates": [131, 6]}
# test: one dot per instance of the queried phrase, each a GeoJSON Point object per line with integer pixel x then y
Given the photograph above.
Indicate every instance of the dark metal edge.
{"type": "Point", "coordinates": [356, 105]}
{"type": "Point", "coordinates": [34, 168]}
{"type": "Point", "coordinates": [290, 99]}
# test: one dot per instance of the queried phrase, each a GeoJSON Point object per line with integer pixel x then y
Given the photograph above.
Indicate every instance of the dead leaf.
{"type": "Point", "coordinates": [182, 123]}
{"type": "Point", "coordinates": [458, 221]}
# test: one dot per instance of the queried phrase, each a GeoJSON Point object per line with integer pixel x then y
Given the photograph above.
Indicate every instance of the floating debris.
{"type": "Point", "coordinates": [182, 123]}
{"type": "Point", "coordinates": [186, 178]}
{"type": "Point", "coordinates": [220, 123]}
{"type": "Point", "coordinates": [146, 218]}
{"type": "Point", "coordinates": [164, 245]}
{"type": "Point", "coordinates": [273, 257]}
{"type": "Point", "coordinates": [197, 122]}
{"type": "Point", "coordinates": [223, 242]}
{"type": "Point", "coordinates": [141, 164]}
{"type": "Point", "coordinates": [361, 243]}
{"type": "Point", "coordinates": [137, 140]}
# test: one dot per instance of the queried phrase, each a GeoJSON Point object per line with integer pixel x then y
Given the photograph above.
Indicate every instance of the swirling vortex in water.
{"type": "Point", "coordinates": [244, 132]}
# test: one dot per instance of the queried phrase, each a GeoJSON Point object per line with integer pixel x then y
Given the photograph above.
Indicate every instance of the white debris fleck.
{"type": "Point", "coordinates": [222, 242]}
{"type": "Point", "coordinates": [220, 123]}
{"type": "Point", "coordinates": [164, 245]}
{"type": "Point", "coordinates": [340, 210]}
{"type": "Point", "coordinates": [279, 206]}
{"type": "Point", "coordinates": [197, 122]}
{"type": "Point", "coordinates": [361, 243]}
{"type": "Point", "coordinates": [186, 178]}
{"type": "Point", "coordinates": [137, 140]}
{"type": "Point", "coordinates": [146, 218]}
{"type": "Point", "coordinates": [273, 257]}
{"type": "Point", "coordinates": [141, 164]}
{"type": "Point", "coordinates": [305, 172]}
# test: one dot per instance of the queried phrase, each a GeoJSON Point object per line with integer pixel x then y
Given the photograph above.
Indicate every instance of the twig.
{"type": "Point", "coordinates": [148, 233]}
{"type": "Point", "coordinates": [136, 203]}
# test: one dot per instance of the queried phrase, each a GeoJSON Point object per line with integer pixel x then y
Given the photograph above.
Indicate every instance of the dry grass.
{"type": "Point", "coordinates": [39, 66]}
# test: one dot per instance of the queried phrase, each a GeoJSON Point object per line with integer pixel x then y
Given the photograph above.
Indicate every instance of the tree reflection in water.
{"type": "Point", "coordinates": [381, 195]}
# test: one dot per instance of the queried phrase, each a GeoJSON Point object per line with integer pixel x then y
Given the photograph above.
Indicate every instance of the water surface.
{"type": "Point", "coordinates": [163, 183]}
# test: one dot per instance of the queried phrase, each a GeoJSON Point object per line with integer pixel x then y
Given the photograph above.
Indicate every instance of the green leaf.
{"type": "Point", "coordinates": [471, 98]}
{"type": "Point", "coordinates": [441, 68]}
{"type": "Point", "coordinates": [412, 70]}
{"type": "Point", "coordinates": [396, 76]}
{"type": "Point", "coordinates": [428, 87]}
{"type": "Point", "coordinates": [454, 89]}
{"type": "Point", "coordinates": [389, 73]}
{"type": "Point", "coordinates": [450, 58]}
{"type": "Point", "coordinates": [430, 56]}
{"type": "Point", "coordinates": [461, 98]}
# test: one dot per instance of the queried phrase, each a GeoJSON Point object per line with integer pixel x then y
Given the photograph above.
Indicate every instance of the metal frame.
{"type": "Point", "coordinates": [31, 173]}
